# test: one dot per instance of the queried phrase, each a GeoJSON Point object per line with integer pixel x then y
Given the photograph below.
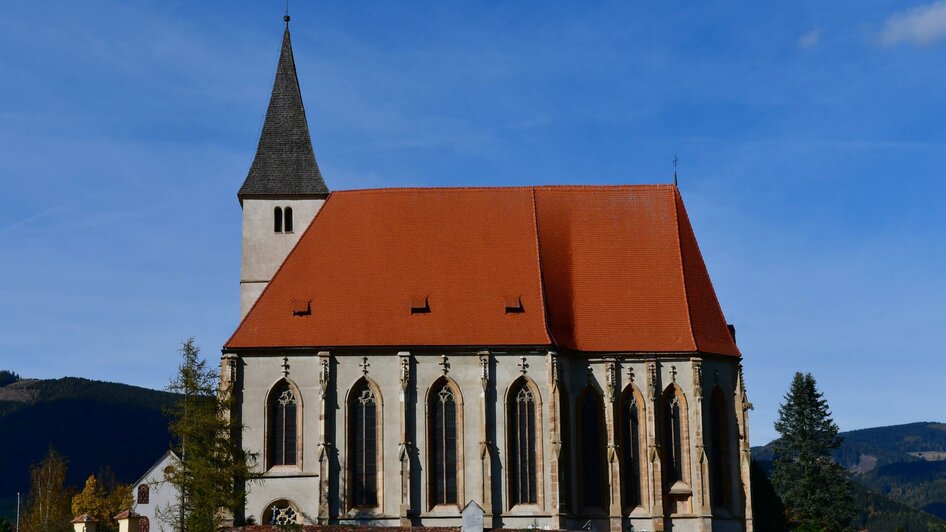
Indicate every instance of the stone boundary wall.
{"type": "Point", "coordinates": [348, 528]}
{"type": "Point", "coordinates": [335, 528]}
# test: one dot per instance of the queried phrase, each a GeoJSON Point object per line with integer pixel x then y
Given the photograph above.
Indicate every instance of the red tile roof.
{"type": "Point", "coordinates": [610, 268]}
{"type": "Point", "coordinates": [126, 514]}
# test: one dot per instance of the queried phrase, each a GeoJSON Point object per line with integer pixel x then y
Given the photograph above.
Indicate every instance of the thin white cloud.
{"type": "Point", "coordinates": [810, 39]}
{"type": "Point", "coordinates": [921, 26]}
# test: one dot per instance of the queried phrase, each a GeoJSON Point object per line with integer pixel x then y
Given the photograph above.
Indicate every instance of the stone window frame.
{"type": "Point", "coordinates": [434, 388]}
{"type": "Point", "coordinates": [583, 507]}
{"type": "Point", "coordinates": [300, 417]}
{"type": "Point", "coordinates": [643, 489]}
{"type": "Point", "coordinates": [539, 440]}
{"type": "Point", "coordinates": [379, 451]}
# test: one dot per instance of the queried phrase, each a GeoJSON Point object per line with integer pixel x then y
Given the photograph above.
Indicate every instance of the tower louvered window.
{"type": "Point", "coordinates": [630, 450]}
{"type": "Point", "coordinates": [363, 445]}
{"type": "Point", "coordinates": [591, 449]}
{"type": "Point", "coordinates": [282, 426]}
{"type": "Point", "coordinates": [522, 445]}
{"type": "Point", "coordinates": [442, 441]}
{"type": "Point", "coordinates": [287, 219]}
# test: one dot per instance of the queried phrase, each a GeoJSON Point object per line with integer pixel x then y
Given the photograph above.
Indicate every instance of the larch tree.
{"type": "Point", "coordinates": [213, 470]}
{"type": "Point", "coordinates": [814, 488]}
{"type": "Point", "coordinates": [48, 501]}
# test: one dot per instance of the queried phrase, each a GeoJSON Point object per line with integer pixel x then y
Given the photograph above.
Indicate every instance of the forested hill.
{"type": "Point", "coordinates": [905, 464]}
{"type": "Point", "coordinates": [865, 449]}
{"type": "Point", "coordinates": [94, 424]}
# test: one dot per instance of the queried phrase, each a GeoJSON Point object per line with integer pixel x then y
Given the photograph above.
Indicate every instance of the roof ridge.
{"type": "Point", "coordinates": [683, 273]}
{"type": "Point", "coordinates": [538, 252]}
{"type": "Point", "coordinates": [642, 186]}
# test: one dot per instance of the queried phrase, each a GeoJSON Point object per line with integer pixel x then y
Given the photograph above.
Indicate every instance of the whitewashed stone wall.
{"type": "Point", "coordinates": [265, 250]}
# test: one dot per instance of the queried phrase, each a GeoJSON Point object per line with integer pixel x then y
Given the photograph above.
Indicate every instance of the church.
{"type": "Point", "coordinates": [555, 355]}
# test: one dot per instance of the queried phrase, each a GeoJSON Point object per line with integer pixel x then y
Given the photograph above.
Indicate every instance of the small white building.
{"type": "Point", "coordinates": [152, 493]}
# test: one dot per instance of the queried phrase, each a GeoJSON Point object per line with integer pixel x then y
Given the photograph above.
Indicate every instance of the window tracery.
{"type": "Point", "coordinates": [631, 437]}
{"type": "Point", "coordinates": [283, 513]}
{"type": "Point", "coordinates": [363, 457]}
{"type": "Point", "coordinates": [443, 445]}
{"type": "Point", "coordinates": [523, 445]}
{"type": "Point", "coordinates": [283, 429]}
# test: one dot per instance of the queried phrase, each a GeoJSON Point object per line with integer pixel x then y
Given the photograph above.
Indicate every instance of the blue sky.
{"type": "Point", "coordinates": [811, 137]}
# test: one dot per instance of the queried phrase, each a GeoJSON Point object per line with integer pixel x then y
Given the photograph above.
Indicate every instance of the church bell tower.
{"type": "Point", "coordinates": [284, 189]}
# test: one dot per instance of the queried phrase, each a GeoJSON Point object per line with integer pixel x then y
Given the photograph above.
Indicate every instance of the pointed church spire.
{"type": "Point", "coordinates": [285, 163]}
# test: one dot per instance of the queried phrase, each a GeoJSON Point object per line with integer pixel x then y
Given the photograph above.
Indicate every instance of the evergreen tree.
{"type": "Point", "coordinates": [813, 487]}
{"type": "Point", "coordinates": [213, 469]}
{"type": "Point", "coordinates": [8, 377]}
{"type": "Point", "coordinates": [48, 502]}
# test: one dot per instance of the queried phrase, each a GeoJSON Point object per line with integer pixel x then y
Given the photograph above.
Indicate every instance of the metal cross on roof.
{"type": "Point", "coordinates": [675, 161]}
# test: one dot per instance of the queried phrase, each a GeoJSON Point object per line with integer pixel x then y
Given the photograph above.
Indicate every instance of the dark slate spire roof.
{"type": "Point", "coordinates": [285, 163]}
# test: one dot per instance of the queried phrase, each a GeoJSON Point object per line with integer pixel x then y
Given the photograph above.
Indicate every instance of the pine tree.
{"type": "Point", "coordinates": [813, 487]}
{"type": "Point", "coordinates": [213, 469]}
{"type": "Point", "coordinates": [48, 503]}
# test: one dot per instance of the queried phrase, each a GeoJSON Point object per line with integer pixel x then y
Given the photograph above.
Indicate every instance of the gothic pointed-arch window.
{"type": "Point", "coordinates": [720, 463]}
{"type": "Point", "coordinates": [287, 219]}
{"type": "Point", "coordinates": [631, 441]}
{"type": "Point", "coordinates": [282, 427]}
{"type": "Point", "coordinates": [673, 437]}
{"type": "Point", "coordinates": [364, 420]}
{"type": "Point", "coordinates": [443, 443]}
{"type": "Point", "coordinates": [144, 525]}
{"type": "Point", "coordinates": [522, 435]}
{"type": "Point", "coordinates": [277, 220]}
{"type": "Point", "coordinates": [144, 494]}
{"type": "Point", "coordinates": [591, 450]}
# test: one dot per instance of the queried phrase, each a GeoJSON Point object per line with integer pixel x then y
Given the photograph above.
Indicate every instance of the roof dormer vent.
{"type": "Point", "coordinates": [513, 304]}
{"type": "Point", "coordinates": [419, 305]}
{"type": "Point", "coordinates": [301, 307]}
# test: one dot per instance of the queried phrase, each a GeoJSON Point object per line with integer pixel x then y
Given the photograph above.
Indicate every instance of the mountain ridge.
{"type": "Point", "coordinates": [96, 425]}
